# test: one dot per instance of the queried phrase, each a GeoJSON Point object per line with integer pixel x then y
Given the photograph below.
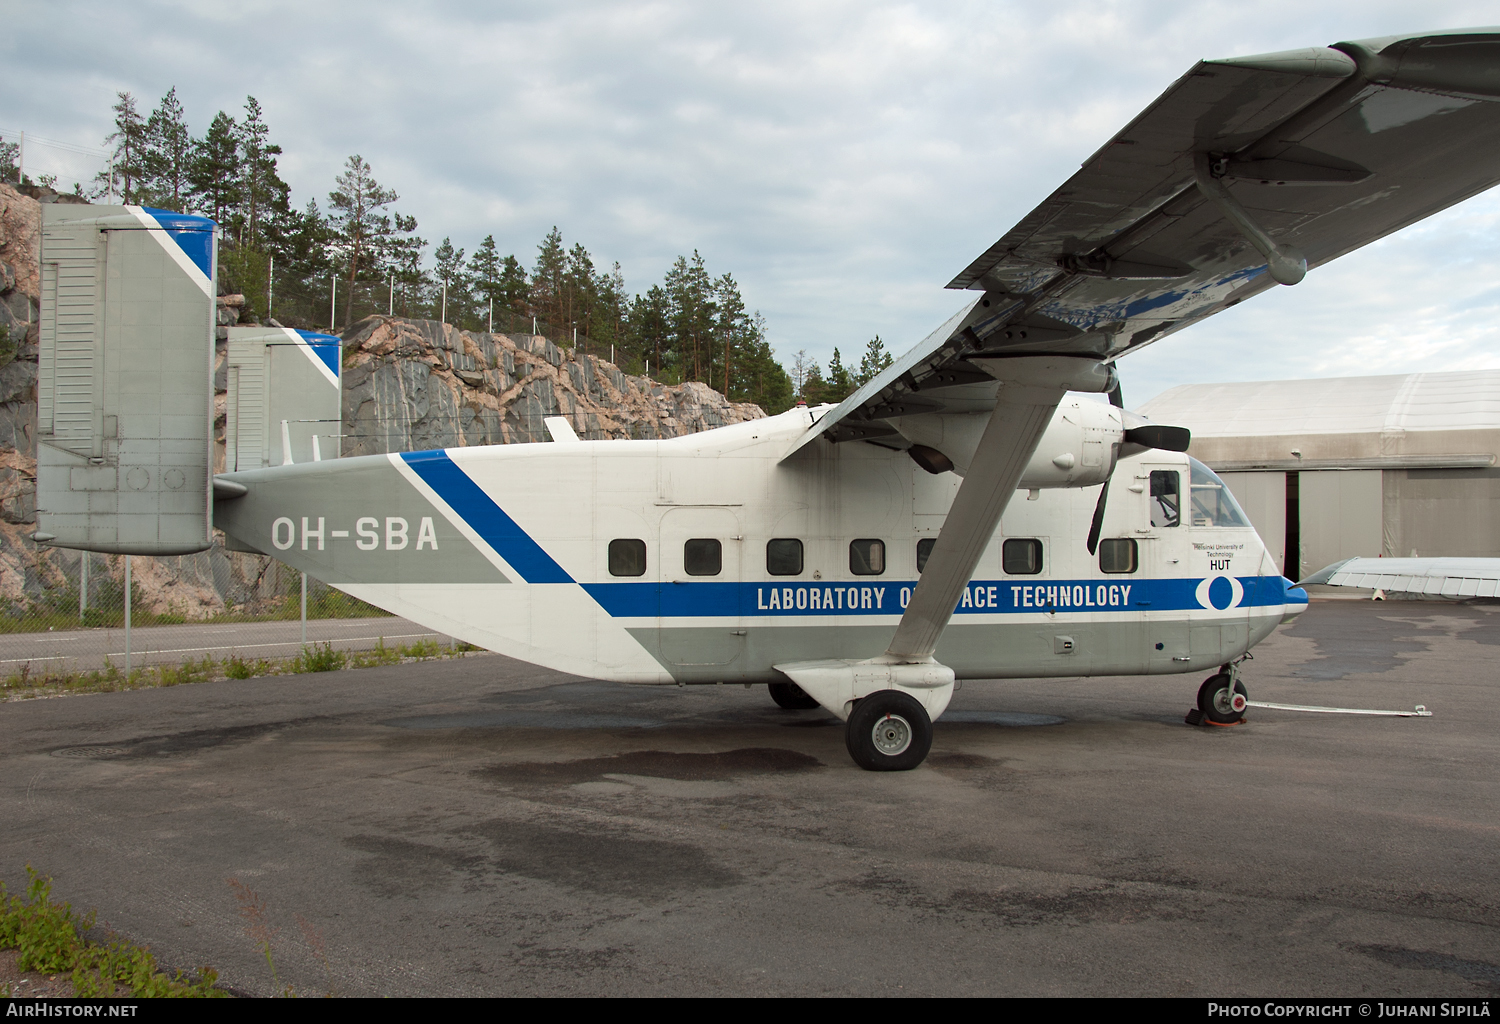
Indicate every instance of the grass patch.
{"type": "Point", "coordinates": [51, 940]}
{"type": "Point", "coordinates": [25, 683]}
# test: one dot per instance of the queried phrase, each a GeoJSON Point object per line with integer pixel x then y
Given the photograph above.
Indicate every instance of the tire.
{"type": "Point", "coordinates": [1214, 688]}
{"type": "Point", "coordinates": [888, 731]}
{"type": "Point", "coordinates": [792, 697]}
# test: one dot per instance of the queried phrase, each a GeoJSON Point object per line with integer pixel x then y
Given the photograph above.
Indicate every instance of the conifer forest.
{"type": "Point", "coordinates": [325, 267]}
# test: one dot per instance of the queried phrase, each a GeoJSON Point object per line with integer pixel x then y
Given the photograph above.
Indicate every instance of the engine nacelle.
{"type": "Point", "coordinates": [1079, 448]}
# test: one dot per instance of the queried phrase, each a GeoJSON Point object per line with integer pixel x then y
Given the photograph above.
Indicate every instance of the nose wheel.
{"type": "Point", "coordinates": [1222, 699]}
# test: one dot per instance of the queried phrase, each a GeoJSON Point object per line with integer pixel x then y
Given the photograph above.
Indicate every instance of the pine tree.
{"type": "Point", "coordinates": [875, 359]}
{"type": "Point", "coordinates": [359, 225]}
{"type": "Point", "coordinates": [129, 138]}
{"type": "Point", "coordinates": [10, 161]}
{"type": "Point", "coordinates": [213, 176]}
{"type": "Point", "coordinates": [484, 272]}
{"type": "Point", "coordinates": [840, 384]}
{"type": "Point", "coordinates": [263, 195]}
{"type": "Point", "coordinates": [648, 331]}
{"type": "Point", "coordinates": [547, 279]}
{"type": "Point", "coordinates": [451, 277]}
{"type": "Point", "coordinates": [514, 288]}
{"type": "Point", "coordinates": [168, 155]}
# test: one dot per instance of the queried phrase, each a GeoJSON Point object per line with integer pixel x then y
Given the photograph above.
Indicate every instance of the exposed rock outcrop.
{"type": "Point", "coordinates": [408, 385]}
{"type": "Point", "coordinates": [417, 384]}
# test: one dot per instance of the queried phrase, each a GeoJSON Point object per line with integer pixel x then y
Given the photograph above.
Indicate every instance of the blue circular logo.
{"type": "Point", "coordinates": [1221, 593]}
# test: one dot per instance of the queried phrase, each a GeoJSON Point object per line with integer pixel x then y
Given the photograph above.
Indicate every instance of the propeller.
{"type": "Point", "coordinates": [1144, 435]}
{"type": "Point", "coordinates": [1116, 399]}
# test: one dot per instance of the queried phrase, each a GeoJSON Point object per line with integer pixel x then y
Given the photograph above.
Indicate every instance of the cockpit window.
{"type": "Point", "coordinates": [1166, 498]}
{"type": "Point", "coordinates": [1212, 504]}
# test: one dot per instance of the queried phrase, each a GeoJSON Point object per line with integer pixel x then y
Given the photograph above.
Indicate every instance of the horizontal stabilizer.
{"type": "Point", "coordinates": [1434, 577]}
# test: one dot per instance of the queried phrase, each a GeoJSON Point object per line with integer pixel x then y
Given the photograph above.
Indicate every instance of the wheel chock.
{"type": "Point", "coordinates": [1194, 717]}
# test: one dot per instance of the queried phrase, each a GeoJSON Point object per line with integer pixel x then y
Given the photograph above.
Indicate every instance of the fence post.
{"type": "Point", "coordinates": [83, 590]}
{"type": "Point", "coordinates": [127, 616]}
{"type": "Point", "coordinates": [304, 609]}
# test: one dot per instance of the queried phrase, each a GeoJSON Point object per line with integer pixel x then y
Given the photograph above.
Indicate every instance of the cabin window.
{"type": "Point", "coordinates": [1166, 498]}
{"type": "Point", "coordinates": [1212, 504]}
{"type": "Point", "coordinates": [1021, 556]}
{"type": "Point", "coordinates": [924, 549]}
{"type": "Point", "coordinates": [867, 557]}
{"type": "Point", "coordinates": [1117, 554]}
{"type": "Point", "coordinates": [627, 558]}
{"type": "Point", "coordinates": [784, 556]}
{"type": "Point", "coordinates": [703, 556]}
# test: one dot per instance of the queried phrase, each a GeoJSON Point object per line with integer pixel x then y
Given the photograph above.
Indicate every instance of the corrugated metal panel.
{"type": "Point", "coordinates": [1263, 497]}
{"type": "Point", "coordinates": [1469, 400]}
{"type": "Point", "coordinates": [1340, 516]}
{"type": "Point", "coordinates": [71, 336]}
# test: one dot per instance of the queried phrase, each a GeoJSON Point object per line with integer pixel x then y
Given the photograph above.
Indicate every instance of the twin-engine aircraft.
{"type": "Point", "coordinates": [974, 512]}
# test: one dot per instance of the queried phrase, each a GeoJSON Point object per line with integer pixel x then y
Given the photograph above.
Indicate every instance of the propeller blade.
{"type": "Point", "coordinates": [1160, 436]}
{"type": "Point", "coordinates": [1117, 396]}
{"type": "Point", "coordinates": [1098, 523]}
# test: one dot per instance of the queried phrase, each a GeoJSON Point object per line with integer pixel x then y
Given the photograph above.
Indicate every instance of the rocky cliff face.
{"type": "Point", "coordinates": [417, 384]}
{"type": "Point", "coordinates": [408, 385]}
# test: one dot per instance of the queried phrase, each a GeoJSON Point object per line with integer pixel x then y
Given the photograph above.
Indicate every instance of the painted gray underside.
{"type": "Point", "coordinates": [973, 651]}
{"type": "Point", "coordinates": [341, 492]}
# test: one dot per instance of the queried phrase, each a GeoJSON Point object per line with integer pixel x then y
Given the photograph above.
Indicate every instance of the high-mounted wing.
{"type": "Point", "coordinates": [1243, 174]}
{"type": "Point", "coordinates": [1241, 171]}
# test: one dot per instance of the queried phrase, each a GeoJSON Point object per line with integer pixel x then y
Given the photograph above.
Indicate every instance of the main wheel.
{"type": "Point", "coordinates": [888, 731]}
{"type": "Point", "coordinates": [791, 696]}
{"type": "Point", "coordinates": [1218, 703]}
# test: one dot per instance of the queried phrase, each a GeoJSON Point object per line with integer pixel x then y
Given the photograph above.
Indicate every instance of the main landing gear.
{"type": "Point", "coordinates": [792, 697]}
{"type": "Point", "coordinates": [1221, 699]}
{"type": "Point", "coordinates": [888, 731]}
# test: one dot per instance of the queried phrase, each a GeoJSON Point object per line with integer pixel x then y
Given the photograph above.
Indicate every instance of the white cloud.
{"type": "Point", "coordinates": [843, 160]}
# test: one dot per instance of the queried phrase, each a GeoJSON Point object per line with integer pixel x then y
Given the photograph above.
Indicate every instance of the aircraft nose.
{"type": "Point", "coordinates": [1294, 602]}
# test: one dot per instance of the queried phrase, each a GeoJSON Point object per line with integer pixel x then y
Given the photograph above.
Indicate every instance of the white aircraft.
{"type": "Point", "coordinates": [863, 558]}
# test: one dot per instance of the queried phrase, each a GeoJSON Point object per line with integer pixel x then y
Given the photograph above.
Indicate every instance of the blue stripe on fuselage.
{"type": "Point", "coordinates": [981, 597]}
{"type": "Point", "coordinates": [488, 519]}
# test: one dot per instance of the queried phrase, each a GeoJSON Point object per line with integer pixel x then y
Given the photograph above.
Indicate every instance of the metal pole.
{"type": "Point", "coordinates": [270, 286]}
{"type": "Point", "coordinates": [304, 609]}
{"type": "Point", "coordinates": [333, 295]}
{"type": "Point", "coordinates": [83, 588]}
{"type": "Point", "coordinates": [392, 310]}
{"type": "Point", "coordinates": [127, 616]}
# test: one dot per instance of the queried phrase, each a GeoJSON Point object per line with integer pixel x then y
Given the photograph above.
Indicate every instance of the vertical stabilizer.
{"type": "Point", "coordinates": [125, 389]}
{"type": "Point", "coordinates": [284, 399]}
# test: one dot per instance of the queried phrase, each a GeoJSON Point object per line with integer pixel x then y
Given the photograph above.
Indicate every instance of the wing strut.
{"type": "Point", "coordinates": [1031, 387]}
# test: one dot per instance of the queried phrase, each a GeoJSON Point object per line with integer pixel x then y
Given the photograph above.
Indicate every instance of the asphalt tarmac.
{"type": "Point", "coordinates": [483, 827]}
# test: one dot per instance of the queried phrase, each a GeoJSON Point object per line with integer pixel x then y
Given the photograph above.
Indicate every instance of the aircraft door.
{"type": "Point", "coordinates": [1165, 547]}
{"type": "Point", "coordinates": [702, 551]}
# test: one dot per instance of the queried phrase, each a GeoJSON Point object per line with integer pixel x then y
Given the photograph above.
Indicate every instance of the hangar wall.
{"type": "Point", "coordinates": [1398, 466]}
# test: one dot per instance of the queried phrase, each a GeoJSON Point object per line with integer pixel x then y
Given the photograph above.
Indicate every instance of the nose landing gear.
{"type": "Point", "coordinates": [1221, 700]}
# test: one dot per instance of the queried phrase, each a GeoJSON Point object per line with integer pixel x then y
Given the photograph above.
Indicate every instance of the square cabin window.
{"type": "Point", "coordinates": [627, 558]}
{"type": "Point", "coordinates": [784, 556]}
{"type": "Point", "coordinates": [924, 551]}
{"type": "Point", "coordinates": [867, 557]}
{"type": "Point", "coordinates": [1166, 498]}
{"type": "Point", "coordinates": [703, 556]}
{"type": "Point", "coordinates": [1021, 556]}
{"type": "Point", "coordinates": [1117, 554]}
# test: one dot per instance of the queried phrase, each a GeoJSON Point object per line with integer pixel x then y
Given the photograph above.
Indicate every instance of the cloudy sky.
{"type": "Point", "coordinates": [843, 160]}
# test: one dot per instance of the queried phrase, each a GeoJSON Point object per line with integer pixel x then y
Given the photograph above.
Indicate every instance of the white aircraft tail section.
{"type": "Point", "coordinates": [125, 390]}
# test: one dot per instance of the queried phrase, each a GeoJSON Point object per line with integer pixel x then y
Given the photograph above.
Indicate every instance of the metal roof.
{"type": "Point", "coordinates": [1467, 400]}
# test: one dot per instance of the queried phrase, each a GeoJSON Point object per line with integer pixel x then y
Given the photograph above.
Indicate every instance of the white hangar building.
{"type": "Point", "coordinates": [1399, 466]}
